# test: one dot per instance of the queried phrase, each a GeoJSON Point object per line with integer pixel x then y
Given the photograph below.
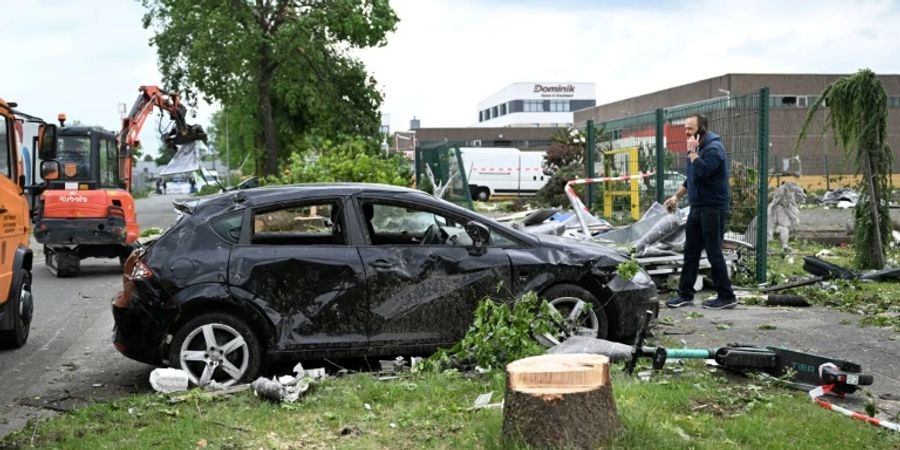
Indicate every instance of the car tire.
{"type": "Point", "coordinates": [22, 307]}
{"type": "Point", "coordinates": [192, 352]}
{"type": "Point", "coordinates": [569, 294]}
{"type": "Point", "coordinates": [482, 194]}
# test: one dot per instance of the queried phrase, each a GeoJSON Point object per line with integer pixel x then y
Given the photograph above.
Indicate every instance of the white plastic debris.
{"type": "Point", "coordinates": [168, 380]}
{"type": "Point", "coordinates": [275, 391]}
{"type": "Point", "coordinates": [317, 373]}
{"type": "Point", "coordinates": [824, 252]}
{"type": "Point", "coordinates": [483, 400]}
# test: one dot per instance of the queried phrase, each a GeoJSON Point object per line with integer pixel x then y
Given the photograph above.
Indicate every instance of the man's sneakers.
{"type": "Point", "coordinates": [716, 303]}
{"type": "Point", "coordinates": [678, 301]}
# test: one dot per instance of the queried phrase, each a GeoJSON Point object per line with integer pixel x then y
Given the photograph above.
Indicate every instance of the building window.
{"type": "Point", "coordinates": [534, 106]}
{"type": "Point", "coordinates": [559, 106]}
{"type": "Point", "coordinates": [893, 102]}
{"type": "Point", "coordinates": [481, 116]}
{"type": "Point", "coordinates": [487, 114]}
{"type": "Point", "coordinates": [494, 112]}
{"type": "Point", "coordinates": [503, 109]}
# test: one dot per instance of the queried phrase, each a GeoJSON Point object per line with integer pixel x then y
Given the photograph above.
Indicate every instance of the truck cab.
{"type": "Point", "coordinates": [16, 303]}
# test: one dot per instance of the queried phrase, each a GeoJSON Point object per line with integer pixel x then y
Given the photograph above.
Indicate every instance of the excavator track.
{"type": "Point", "coordinates": [62, 263]}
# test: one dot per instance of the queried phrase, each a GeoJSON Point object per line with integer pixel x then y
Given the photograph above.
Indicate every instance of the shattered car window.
{"type": "Point", "coordinates": [229, 227]}
{"type": "Point", "coordinates": [397, 219]}
{"type": "Point", "coordinates": [307, 224]}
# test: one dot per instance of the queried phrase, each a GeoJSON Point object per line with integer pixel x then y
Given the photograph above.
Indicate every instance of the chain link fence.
{"type": "Point", "coordinates": [654, 145]}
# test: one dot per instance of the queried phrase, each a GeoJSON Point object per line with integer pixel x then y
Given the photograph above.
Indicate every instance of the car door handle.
{"type": "Point", "coordinates": [381, 264]}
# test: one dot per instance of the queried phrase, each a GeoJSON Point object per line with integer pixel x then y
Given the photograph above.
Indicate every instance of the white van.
{"type": "Point", "coordinates": [503, 170]}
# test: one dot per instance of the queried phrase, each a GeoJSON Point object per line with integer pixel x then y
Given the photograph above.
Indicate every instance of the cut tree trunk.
{"type": "Point", "coordinates": [560, 401]}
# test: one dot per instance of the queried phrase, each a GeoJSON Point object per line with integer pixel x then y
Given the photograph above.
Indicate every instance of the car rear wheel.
{"type": "Point", "coordinates": [482, 194]}
{"type": "Point", "coordinates": [577, 312]}
{"type": "Point", "coordinates": [23, 308]}
{"type": "Point", "coordinates": [216, 347]}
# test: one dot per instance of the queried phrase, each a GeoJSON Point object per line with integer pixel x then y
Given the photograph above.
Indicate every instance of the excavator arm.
{"type": "Point", "coordinates": [129, 136]}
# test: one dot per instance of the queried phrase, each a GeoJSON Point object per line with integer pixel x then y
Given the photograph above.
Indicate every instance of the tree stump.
{"type": "Point", "coordinates": [560, 401]}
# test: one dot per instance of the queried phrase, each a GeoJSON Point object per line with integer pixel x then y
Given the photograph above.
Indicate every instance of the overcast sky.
{"type": "Point", "coordinates": [84, 57]}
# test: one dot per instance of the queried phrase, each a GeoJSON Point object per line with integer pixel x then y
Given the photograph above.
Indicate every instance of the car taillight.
{"type": "Point", "coordinates": [140, 271]}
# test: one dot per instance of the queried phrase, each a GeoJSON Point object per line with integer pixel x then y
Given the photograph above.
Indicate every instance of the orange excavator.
{"type": "Point", "coordinates": [88, 211]}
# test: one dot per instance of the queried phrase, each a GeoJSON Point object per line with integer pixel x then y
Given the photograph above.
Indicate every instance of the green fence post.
{"type": "Point", "coordinates": [417, 164]}
{"type": "Point", "coordinates": [660, 156]}
{"type": "Point", "coordinates": [589, 160]}
{"type": "Point", "coordinates": [762, 197]}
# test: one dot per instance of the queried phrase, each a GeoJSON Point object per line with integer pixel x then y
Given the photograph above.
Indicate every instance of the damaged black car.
{"type": "Point", "coordinates": [347, 270]}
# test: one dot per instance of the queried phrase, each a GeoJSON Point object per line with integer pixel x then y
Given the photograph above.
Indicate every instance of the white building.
{"type": "Point", "coordinates": [536, 104]}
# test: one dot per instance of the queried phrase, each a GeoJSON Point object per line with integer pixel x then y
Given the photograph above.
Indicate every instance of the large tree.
{"type": "Point", "coordinates": [857, 112]}
{"type": "Point", "coordinates": [284, 63]}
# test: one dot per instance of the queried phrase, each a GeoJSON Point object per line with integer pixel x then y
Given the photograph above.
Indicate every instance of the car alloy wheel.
{"type": "Point", "coordinates": [575, 317]}
{"type": "Point", "coordinates": [214, 351]}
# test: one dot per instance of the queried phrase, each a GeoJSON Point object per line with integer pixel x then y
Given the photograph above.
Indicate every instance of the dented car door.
{"type": "Point", "coordinates": [297, 264]}
{"type": "Point", "coordinates": [423, 277]}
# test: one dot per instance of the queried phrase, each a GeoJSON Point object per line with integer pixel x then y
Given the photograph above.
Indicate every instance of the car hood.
{"type": "Point", "coordinates": [602, 255]}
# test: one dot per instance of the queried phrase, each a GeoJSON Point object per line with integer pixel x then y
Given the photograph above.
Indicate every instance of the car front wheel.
{"type": "Point", "coordinates": [577, 311]}
{"type": "Point", "coordinates": [216, 347]}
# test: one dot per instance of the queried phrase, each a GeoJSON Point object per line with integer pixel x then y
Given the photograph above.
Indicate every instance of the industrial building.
{"type": "Point", "coordinates": [790, 96]}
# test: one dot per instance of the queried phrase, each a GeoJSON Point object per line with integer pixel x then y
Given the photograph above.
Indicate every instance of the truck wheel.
{"type": "Point", "coordinates": [216, 346]}
{"type": "Point", "coordinates": [580, 313]}
{"type": "Point", "coordinates": [22, 306]}
{"type": "Point", "coordinates": [482, 194]}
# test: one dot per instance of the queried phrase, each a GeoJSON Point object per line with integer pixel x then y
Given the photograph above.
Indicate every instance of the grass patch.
{"type": "Point", "coordinates": [151, 231]}
{"type": "Point", "coordinates": [694, 410]}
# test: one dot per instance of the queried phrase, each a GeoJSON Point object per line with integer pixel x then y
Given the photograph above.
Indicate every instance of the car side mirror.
{"type": "Point", "coordinates": [479, 234]}
{"type": "Point", "coordinates": [47, 141]}
{"type": "Point", "coordinates": [49, 170]}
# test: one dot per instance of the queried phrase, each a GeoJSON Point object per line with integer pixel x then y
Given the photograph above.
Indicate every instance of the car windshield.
{"type": "Point", "coordinates": [75, 157]}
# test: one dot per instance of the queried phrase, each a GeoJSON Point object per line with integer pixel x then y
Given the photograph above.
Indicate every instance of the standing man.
{"type": "Point", "coordinates": [707, 189]}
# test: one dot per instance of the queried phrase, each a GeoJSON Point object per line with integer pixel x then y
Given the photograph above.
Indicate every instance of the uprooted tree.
{"type": "Point", "coordinates": [282, 64]}
{"type": "Point", "coordinates": [857, 112]}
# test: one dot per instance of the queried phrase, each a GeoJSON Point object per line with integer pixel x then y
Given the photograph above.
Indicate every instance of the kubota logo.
{"type": "Point", "coordinates": [73, 198]}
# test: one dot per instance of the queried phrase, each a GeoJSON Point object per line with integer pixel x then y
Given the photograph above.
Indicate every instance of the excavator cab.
{"type": "Point", "coordinates": [84, 210]}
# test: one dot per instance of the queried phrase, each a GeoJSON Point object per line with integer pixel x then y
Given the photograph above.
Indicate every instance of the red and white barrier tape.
{"type": "Point", "coordinates": [822, 390]}
{"type": "Point", "coordinates": [619, 178]}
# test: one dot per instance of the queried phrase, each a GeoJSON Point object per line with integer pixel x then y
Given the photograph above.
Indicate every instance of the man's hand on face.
{"type": "Point", "coordinates": [692, 143]}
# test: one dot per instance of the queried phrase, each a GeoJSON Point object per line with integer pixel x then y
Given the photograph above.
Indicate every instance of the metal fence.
{"type": "Point", "coordinates": [631, 144]}
{"type": "Point", "coordinates": [444, 162]}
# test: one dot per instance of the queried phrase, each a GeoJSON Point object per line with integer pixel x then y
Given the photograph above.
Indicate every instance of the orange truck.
{"type": "Point", "coordinates": [88, 211]}
{"type": "Point", "coordinates": [16, 303]}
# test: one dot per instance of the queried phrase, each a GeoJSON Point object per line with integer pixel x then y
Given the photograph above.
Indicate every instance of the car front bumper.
{"type": "Point", "coordinates": [631, 299]}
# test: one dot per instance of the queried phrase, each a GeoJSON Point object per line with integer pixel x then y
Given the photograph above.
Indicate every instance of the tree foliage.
{"type": "Point", "coordinates": [857, 112]}
{"type": "Point", "coordinates": [282, 65]}
{"type": "Point", "coordinates": [565, 159]}
{"type": "Point", "coordinates": [357, 160]}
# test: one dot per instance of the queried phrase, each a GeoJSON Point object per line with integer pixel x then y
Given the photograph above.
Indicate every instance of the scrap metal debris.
{"type": "Point", "coordinates": [842, 198]}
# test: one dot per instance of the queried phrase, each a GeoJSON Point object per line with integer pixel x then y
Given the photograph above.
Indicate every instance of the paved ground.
{"type": "Point", "coordinates": [814, 330]}
{"type": "Point", "coordinates": [69, 359]}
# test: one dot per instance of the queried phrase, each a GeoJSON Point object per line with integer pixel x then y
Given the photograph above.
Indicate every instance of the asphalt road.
{"type": "Point", "coordinates": [69, 359]}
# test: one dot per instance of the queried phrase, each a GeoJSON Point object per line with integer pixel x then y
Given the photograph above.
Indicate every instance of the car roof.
{"type": "Point", "coordinates": [267, 194]}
